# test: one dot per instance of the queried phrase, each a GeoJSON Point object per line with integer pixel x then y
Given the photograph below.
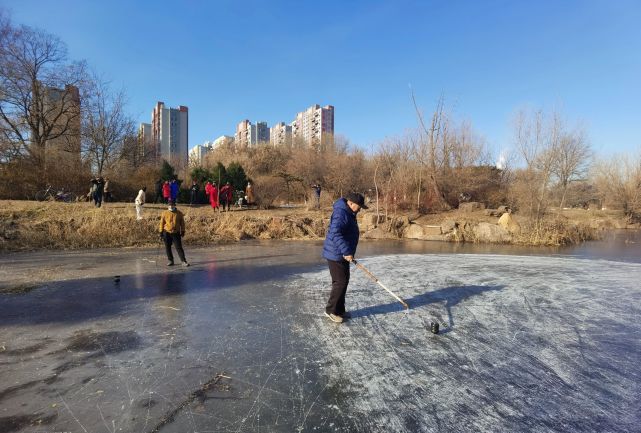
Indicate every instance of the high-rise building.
{"type": "Point", "coordinates": [280, 135]}
{"type": "Point", "coordinates": [197, 154]}
{"type": "Point", "coordinates": [223, 140]}
{"type": "Point", "coordinates": [170, 133]}
{"type": "Point", "coordinates": [248, 134]}
{"type": "Point", "coordinates": [259, 133]}
{"type": "Point", "coordinates": [61, 108]}
{"type": "Point", "coordinates": [314, 126]}
{"type": "Point", "coordinates": [243, 130]}
{"type": "Point", "coordinates": [146, 149]}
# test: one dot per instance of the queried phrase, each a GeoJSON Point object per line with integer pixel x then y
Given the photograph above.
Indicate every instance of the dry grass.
{"type": "Point", "coordinates": [26, 225]}
{"type": "Point", "coordinates": [555, 232]}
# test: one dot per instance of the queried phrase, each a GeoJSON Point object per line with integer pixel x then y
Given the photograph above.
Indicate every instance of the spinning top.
{"type": "Point", "coordinates": [434, 327]}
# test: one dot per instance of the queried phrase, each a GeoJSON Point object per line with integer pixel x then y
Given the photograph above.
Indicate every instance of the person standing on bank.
{"type": "Point", "coordinates": [140, 201]}
{"type": "Point", "coordinates": [317, 192]}
{"type": "Point", "coordinates": [97, 195]}
{"type": "Point", "coordinates": [339, 249]}
{"type": "Point", "coordinates": [173, 190]}
{"type": "Point", "coordinates": [166, 192]}
{"type": "Point", "coordinates": [193, 192]}
{"type": "Point", "coordinates": [158, 198]}
{"type": "Point", "coordinates": [172, 229]}
{"type": "Point", "coordinates": [107, 190]}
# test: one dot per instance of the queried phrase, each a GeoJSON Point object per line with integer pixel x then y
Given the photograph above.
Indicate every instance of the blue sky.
{"type": "Point", "coordinates": [267, 60]}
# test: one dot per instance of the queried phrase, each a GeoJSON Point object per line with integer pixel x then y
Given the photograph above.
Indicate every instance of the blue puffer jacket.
{"type": "Point", "coordinates": [342, 234]}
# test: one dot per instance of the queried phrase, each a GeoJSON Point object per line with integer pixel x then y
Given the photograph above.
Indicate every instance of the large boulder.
{"type": "Point", "coordinates": [448, 225]}
{"type": "Point", "coordinates": [509, 223]}
{"type": "Point", "coordinates": [379, 232]}
{"type": "Point", "coordinates": [492, 233]}
{"type": "Point", "coordinates": [414, 231]}
{"type": "Point", "coordinates": [418, 231]}
{"type": "Point", "coordinates": [371, 220]}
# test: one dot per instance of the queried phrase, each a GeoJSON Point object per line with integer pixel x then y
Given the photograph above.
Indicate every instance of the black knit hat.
{"type": "Point", "coordinates": [357, 198]}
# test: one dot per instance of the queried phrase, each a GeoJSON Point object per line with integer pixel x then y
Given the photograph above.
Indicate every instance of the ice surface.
{"type": "Point", "coordinates": [527, 344]}
{"type": "Point", "coordinates": [240, 344]}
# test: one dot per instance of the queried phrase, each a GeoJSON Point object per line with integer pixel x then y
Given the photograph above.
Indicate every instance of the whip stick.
{"type": "Point", "coordinates": [376, 280]}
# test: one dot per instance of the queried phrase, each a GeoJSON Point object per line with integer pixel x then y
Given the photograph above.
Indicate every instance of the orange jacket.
{"type": "Point", "coordinates": [172, 222]}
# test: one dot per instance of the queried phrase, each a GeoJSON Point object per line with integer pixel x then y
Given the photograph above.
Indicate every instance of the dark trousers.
{"type": "Point", "coordinates": [176, 240]}
{"type": "Point", "coordinates": [159, 198]}
{"type": "Point", "coordinates": [339, 272]}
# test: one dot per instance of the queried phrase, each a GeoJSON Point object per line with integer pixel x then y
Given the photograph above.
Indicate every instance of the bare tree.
{"type": "Point", "coordinates": [107, 129]}
{"type": "Point", "coordinates": [619, 182]}
{"type": "Point", "coordinates": [39, 97]}
{"type": "Point", "coordinates": [427, 144]}
{"type": "Point", "coordinates": [537, 142]}
{"type": "Point", "coordinates": [573, 153]}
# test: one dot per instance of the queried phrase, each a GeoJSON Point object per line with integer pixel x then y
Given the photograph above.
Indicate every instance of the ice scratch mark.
{"type": "Point", "coordinates": [168, 418]}
{"type": "Point", "coordinates": [302, 424]}
{"type": "Point", "coordinates": [71, 412]}
{"type": "Point", "coordinates": [256, 400]}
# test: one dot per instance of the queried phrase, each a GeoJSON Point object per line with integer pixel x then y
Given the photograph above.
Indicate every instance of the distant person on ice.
{"type": "Point", "coordinates": [339, 250]}
{"type": "Point", "coordinates": [172, 229]}
{"type": "Point", "coordinates": [140, 201]}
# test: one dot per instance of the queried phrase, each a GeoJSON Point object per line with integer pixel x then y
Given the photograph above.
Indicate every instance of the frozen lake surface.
{"type": "Point", "coordinates": [239, 343]}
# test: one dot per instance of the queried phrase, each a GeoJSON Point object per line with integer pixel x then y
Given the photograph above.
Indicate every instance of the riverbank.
{"type": "Point", "coordinates": [28, 225]}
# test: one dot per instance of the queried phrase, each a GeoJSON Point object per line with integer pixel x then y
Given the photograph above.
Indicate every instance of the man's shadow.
{"type": "Point", "coordinates": [450, 295]}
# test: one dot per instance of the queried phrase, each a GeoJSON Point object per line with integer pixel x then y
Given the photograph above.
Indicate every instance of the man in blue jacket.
{"type": "Point", "coordinates": [339, 249]}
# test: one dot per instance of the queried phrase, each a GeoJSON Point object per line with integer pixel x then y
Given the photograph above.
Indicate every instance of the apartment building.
{"type": "Point", "coordinates": [280, 135]}
{"type": "Point", "coordinates": [241, 137]}
{"type": "Point", "coordinates": [248, 134]}
{"type": "Point", "coordinates": [146, 149]}
{"type": "Point", "coordinates": [61, 108]}
{"type": "Point", "coordinates": [223, 140]}
{"type": "Point", "coordinates": [170, 133]}
{"type": "Point", "coordinates": [314, 126]}
{"type": "Point", "coordinates": [259, 133]}
{"type": "Point", "coordinates": [198, 153]}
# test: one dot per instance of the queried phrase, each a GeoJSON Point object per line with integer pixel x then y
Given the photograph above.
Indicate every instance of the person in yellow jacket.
{"type": "Point", "coordinates": [172, 229]}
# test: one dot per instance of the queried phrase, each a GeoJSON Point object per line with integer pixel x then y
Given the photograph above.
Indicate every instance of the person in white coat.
{"type": "Point", "coordinates": [140, 201]}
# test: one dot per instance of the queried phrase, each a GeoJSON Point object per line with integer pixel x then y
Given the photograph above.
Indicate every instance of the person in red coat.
{"type": "Point", "coordinates": [213, 198]}
{"type": "Point", "coordinates": [208, 189]}
{"type": "Point", "coordinates": [166, 191]}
